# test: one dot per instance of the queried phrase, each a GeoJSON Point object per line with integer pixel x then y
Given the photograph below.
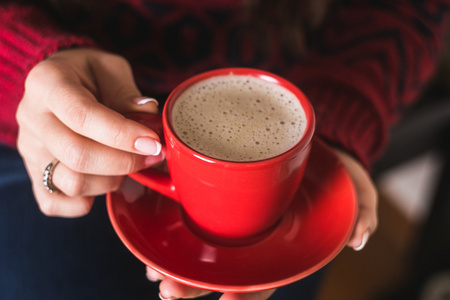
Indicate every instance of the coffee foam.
{"type": "Point", "coordinates": [238, 118]}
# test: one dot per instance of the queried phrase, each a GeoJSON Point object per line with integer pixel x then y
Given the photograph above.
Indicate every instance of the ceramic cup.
{"type": "Point", "coordinates": [228, 202]}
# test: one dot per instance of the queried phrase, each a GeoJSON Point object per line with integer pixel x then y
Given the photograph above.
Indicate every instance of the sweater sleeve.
{"type": "Point", "coordinates": [27, 36]}
{"type": "Point", "coordinates": [368, 66]}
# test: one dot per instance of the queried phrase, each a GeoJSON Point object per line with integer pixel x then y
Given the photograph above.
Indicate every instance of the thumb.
{"type": "Point", "coordinates": [116, 85]}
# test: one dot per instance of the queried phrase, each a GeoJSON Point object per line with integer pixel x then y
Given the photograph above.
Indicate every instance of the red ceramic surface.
{"type": "Point", "coordinates": [212, 191]}
{"type": "Point", "coordinates": [311, 233]}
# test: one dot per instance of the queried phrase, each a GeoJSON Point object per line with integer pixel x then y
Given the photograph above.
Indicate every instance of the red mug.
{"type": "Point", "coordinates": [228, 202]}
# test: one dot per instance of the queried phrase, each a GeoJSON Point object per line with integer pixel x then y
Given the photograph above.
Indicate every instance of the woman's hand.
{"type": "Point", "coordinates": [366, 193]}
{"type": "Point", "coordinates": [366, 224]}
{"type": "Point", "coordinates": [72, 111]}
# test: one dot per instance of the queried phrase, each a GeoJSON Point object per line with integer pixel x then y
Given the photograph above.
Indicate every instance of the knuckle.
{"type": "Point", "coordinates": [77, 115]}
{"type": "Point", "coordinates": [117, 183]}
{"type": "Point", "coordinates": [132, 163]}
{"type": "Point", "coordinates": [76, 157]}
{"type": "Point", "coordinates": [34, 76]}
{"type": "Point", "coordinates": [119, 135]}
{"type": "Point", "coordinates": [39, 75]}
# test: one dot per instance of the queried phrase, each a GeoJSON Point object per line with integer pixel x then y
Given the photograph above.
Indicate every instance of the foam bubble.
{"type": "Point", "coordinates": [240, 117]}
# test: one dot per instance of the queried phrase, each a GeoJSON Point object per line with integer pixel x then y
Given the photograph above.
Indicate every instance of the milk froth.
{"type": "Point", "coordinates": [238, 118]}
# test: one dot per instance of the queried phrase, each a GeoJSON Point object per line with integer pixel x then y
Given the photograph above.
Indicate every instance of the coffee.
{"type": "Point", "coordinates": [238, 118]}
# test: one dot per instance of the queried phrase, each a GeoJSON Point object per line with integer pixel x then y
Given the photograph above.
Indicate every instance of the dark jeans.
{"type": "Point", "coordinates": [52, 258]}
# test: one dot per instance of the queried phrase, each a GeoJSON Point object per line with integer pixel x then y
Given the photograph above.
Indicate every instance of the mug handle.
{"type": "Point", "coordinates": [153, 177]}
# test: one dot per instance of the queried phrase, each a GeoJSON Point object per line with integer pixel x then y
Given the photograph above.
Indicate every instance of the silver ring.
{"type": "Point", "coordinates": [48, 176]}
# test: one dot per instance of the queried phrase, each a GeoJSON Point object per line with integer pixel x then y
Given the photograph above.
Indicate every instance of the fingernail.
{"type": "Point", "coordinates": [148, 146]}
{"type": "Point", "coordinates": [365, 238]}
{"type": "Point", "coordinates": [144, 100]}
{"type": "Point", "coordinates": [162, 298]}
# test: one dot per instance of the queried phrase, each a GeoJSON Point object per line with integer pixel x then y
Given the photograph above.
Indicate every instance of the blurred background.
{"type": "Point", "coordinates": [408, 257]}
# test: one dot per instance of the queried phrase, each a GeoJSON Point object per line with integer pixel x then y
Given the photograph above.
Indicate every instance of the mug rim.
{"type": "Point", "coordinates": [303, 143]}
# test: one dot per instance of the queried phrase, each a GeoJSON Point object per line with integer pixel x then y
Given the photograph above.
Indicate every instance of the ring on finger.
{"type": "Point", "coordinates": [48, 176]}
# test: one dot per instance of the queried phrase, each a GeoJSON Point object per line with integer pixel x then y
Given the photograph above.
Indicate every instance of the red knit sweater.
{"type": "Point", "coordinates": [363, 67]}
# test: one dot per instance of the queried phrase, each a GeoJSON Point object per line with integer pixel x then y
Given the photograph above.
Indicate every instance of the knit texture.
{"type": "Point", "coordinates": [368, 67]}
{"type": "Point", "coordinates": [368, 62]}
{"type": "Point", "coordinates": [27, 36]}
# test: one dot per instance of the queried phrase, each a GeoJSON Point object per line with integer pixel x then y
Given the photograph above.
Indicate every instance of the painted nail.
{"type": "Point", "coordinates": [148, 146]}
{"type": "Point", "coordinates": [162, 298]}
{"type": "Point", "coordinates": [365, 238]}
{"type": "Point", "coordinates": [144, 100]}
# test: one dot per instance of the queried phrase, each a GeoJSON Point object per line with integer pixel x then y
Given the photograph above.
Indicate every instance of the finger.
{"type": "Point", "coordinates": [84, 155]}
{"type": "Point", "coordinates": [153, 275]}
{"type": "Point", "coordinates": [365, 226]}
{"type": "Point", "coordinates": [83, 114]}
{"type": "Point", "coordinates": [66, 180]}
{"type": "Point", "coordinates": [57, 204]}
{"type": "Point", "coordinates": [359, 238]}
{"type": "Point", "coordinates": [262, 295]}
{"type": "Point", "coordinates": [117, 86]}
{"type": "Point", "coordinates": [170, 289]}
{"type": "Point", "coordinates": [76, 184]}
{"type": "Point", "coordinates": [367, 196]}
{"type": "Point", "coordinates": [143, 104]}
{"type": "Point", "coordinates": [50, 204]}
{"type": "Point", "coordinates": [367, 220]}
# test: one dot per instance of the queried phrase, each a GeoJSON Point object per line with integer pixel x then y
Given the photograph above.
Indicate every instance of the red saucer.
{"type": "Point", "coordinates": [311, 233]}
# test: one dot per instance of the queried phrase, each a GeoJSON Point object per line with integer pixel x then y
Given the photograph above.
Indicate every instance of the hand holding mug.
{"type": "Point", "coordinates": [237, 143]}
{"type": "Point", "coordinates": [365, 226]}
{"type": "Point", "coordinates": [71, 111]}
{"type": "Point", "coordinates": [175, 133]}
